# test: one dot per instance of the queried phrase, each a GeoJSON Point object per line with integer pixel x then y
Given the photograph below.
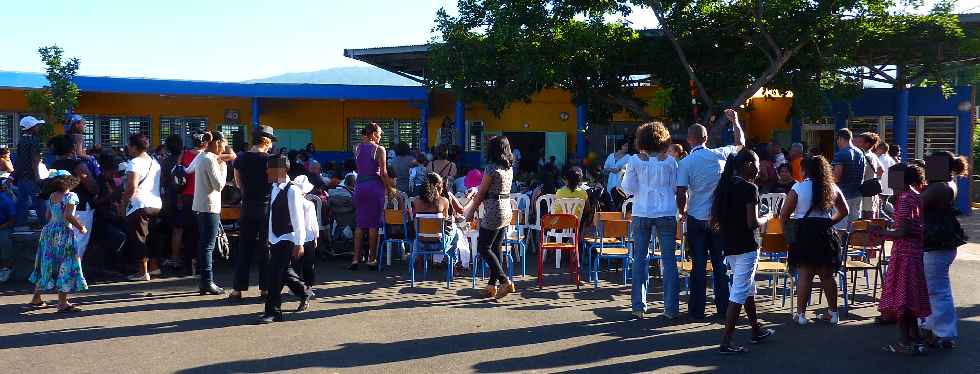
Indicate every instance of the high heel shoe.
{"type": "Point", "coordinates": [489, 292]}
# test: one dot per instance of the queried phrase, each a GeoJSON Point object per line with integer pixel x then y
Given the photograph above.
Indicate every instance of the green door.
{"type": "Point", "coordinates": [293, 139]}
{"type": "Point", "coordinates": [554, 145]}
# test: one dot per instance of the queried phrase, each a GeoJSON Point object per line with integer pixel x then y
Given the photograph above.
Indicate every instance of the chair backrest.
{"type": "Point", "coordinates": [397, 201]}
{"type": "Point", "coordinates": [569, 205]}
{"type": "Point", "coordinates": [522, 203]}
{"type": "Point", "coordinates": [559, 222]}
{"type": "Point", "coordinates": [628, 208]}
{"type": "Point", "coordinates": [614, 228]}
{"type": "Point", "coordinates": [773, 202]}
{"type": "Point", "coordinates": [394, 216]}
{"type": "Point", "coordinates": [774, 243]}
{"type": "Point", "coordinates": [774, 226]}
{"type": "Point", "coordinates": [548, 201]}
{"type": "Point", "coordinates": [606, 216]}
{"type": "Point", "coordinates": [429, 226]}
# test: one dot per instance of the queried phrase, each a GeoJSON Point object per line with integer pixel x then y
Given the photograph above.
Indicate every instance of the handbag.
{"type": "Point", "coordinates": [870, 187]}
{"type": "Point", "coordinates": [223, 245]}
{"type": "Point", "coordinates": [792, 228]}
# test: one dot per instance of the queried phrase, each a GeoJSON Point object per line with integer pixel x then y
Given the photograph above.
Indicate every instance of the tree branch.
{"type": "Point", "coordinates": [659, 13]}
{"type": "Point", "coordinates": [629, 104]}
{"type": "Point", "coordinates": [757, 13]}
{"type": "Point", "coordinates": [769, 74]}
{"type": "Point", "coordinates": [879, 71]}
{"type": "Point", "coordinates": [871, 77]}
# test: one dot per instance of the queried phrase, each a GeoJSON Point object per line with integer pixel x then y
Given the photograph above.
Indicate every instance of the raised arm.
{"type": "Point", "coordinates": [738, 134]}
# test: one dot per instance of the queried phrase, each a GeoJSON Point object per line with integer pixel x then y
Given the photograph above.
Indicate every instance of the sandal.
{"type": "Point", "coordinates": [71, 308]}
{"type": "Point", "coordinates": [40, 304]}
{"type": "Point", "coordinates": [900, 348]}
{"type": "Point", "coordinates": [505, 290]}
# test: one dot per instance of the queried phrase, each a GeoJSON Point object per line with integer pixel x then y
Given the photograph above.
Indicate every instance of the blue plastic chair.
{"type": "Point", "coordinates": [430, 240]}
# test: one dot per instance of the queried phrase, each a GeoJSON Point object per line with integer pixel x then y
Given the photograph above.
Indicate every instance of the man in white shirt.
{"type": "Point", "coordinates": [698, 175]}
{"type": "Point", "coordinates": [287, 234]}
{"type": "Point", "coordinates": [886, 161]}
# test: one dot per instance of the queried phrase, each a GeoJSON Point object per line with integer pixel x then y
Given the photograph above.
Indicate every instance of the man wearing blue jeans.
{"type": "Point", "coordinates": [698, 176]}
{"type": "Point", "coordinates": [651, 177]}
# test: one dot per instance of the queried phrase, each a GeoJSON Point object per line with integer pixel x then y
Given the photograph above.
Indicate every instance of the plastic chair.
{"type": "Point", "coordinates": [506, 246]}
{"type": "Point", "coordinates": [523, 205]}
{"type": "Point", "coordinates": [393, 218]}
{"type": "Point", "coordinates": [567, 206]}
{"type": "Point", "coordinates": [591, 240]}
{"type": "Point", "coordinates": [516, 237]}
{"type": "Point", "coordinates": [430, 240]}
{"type": "Point", "coordinates": [610, 243]}
{"type": "Point", "coordinates": [772, 202]}
{"type": "Point", "coordinates": [559, 222]}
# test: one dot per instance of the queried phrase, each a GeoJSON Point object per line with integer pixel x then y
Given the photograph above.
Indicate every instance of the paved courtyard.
{"type": "Point", "coordinates": [369, 322]}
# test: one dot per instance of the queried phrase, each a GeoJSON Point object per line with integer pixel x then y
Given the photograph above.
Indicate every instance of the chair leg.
{"type": "Point", "coordinates": [411, 267]}
{"type": "Point", "coordinates": [540, 264]}
{"type": "Point", "coordinates": [523, 248]}
{"type": "Point", "coordinates": [574, 257]}
{"type": "Point", "coordinates": [473, 265]}
{"type": "Point", "coordinates": [425, 267]}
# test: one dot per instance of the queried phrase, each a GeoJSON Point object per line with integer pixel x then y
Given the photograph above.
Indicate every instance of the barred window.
{"type": "Point", "coordinates": [233, 133]}
{"type": "Point", "coordinates": [182, 126]}
{"type": "Point", "coordinates": [7, 130]}
{"type": "Point", "coordinates": [393, 131]}
{"type": "Point", "coordinates": [139, 125]}
{"type": "Point", "coordinates": [474, 139]}
{"type": "Point", "coordinates": [110, 131]}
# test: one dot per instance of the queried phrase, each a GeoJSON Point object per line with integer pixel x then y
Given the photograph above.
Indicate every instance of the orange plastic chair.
{"type": "Point", "coordinates": [568, 222]}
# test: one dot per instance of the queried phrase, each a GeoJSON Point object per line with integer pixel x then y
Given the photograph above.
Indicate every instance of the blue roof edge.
{"type": "Point", "coordinates": [229, 89]}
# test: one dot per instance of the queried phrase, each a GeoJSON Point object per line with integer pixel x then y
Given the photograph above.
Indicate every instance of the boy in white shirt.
{"type": "Point", "coordinates": [287, 234]}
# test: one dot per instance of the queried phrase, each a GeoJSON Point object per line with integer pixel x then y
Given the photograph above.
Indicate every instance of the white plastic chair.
{"type": "Point", "coordinates": [773, 202]}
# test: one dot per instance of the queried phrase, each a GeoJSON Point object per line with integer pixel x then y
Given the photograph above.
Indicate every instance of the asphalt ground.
{"type": "Point", "coordinates": [369, 322]}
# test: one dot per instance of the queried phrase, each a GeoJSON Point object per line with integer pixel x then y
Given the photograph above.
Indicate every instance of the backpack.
{"type": "Point", "coordinates": [179, 175]}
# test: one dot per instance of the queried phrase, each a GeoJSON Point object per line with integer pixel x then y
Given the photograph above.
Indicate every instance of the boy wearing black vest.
{"type": "Point", "coordinates": [287, 232]}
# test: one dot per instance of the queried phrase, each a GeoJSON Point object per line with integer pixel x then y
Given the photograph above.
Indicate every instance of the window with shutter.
{"type": "Point", "coordinates": [183, 127]}
{"type": "Point", "coordinates": [889, 137]}
{"type": "Point", "coordinates": [392, 132]}
{"type": "Point", "coordinates": [939, 134]}
{"type": "Point", "coordinates": [474, 138]}
{"type": "Point", "coordinates": [408, 132]}
{"type": "Point", "coordinates": [7, 134]}
{"type": "Point", "coordinates": [89, 135]}
{"type": "Point", "coordinates": [859, 125]}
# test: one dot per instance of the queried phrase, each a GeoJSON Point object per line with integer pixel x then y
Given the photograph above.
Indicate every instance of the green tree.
{"type": "Point", "coordinates": [56, 100]}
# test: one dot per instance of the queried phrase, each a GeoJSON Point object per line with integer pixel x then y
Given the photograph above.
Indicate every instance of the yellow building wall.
{"type": "Point", "coordinates": [328, 119]}
{"type": "Point", "coordinates": [542, 114]}
{"type": "Point", "coordinates": [766, 116]}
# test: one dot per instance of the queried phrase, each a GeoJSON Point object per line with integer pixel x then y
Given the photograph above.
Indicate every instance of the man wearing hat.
{"type": "Point", "coordinates": [25, 169]}
{"type": "Point", "coordinates": [287, 233]}
{"type": "Point", "coordinates": [250, 176]}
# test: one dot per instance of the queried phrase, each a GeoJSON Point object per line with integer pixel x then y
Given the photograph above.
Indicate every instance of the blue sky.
{"type": "Point", "coordinates": [223, 40]}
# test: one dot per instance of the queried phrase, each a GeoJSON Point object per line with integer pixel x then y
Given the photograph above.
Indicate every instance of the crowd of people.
{"type": "Point", "coordinates": [124, 207]}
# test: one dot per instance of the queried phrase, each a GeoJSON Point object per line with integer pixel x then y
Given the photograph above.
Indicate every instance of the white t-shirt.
{"type": "Point", "coordinates": [653, 184]}
{"type": "Point", "coordinates": [147, 172]}
{"type": "Point", "coordinates": [804, 196]}
{"type": "Point", "coordinates": [615, 177]}
{"type": "Point", "coordinates": [886, 162]}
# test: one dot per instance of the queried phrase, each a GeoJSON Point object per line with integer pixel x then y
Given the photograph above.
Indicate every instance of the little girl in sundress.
{"type": "Point", "coordinates": [57, 266]}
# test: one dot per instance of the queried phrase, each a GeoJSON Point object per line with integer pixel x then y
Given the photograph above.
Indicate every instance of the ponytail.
{"type": "Point", "coordinates": [719, 207]}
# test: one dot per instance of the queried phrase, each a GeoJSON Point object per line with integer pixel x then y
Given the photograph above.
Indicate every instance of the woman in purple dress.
{"type": "Point", "coordinates": [369, 192]}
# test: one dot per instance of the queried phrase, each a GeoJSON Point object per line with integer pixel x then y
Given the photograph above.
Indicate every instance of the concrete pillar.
{"type": "Point", "coordinates": [460, 123]}
{"type": "Point", "coordinates": [900, 124]}
{"type": "Point", "coordinates": [424, 126]}
{"type": "Point", "coordinates": [796, 126]}
{"type": "Point", "coordinates": [964, 146]}
{"type": "Point", "coordinates": [581, 112]}
{"type": "Point", "coordinates": [255, 113]}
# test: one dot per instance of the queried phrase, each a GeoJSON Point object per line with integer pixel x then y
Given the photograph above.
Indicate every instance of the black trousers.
{"type": "Point", "coordinates": [488, 243]}
{"type": "Point", "coordinates": [306, 266]}
{"type": "Point", "coordinates": [138, 230]}
{"type": "Point", "coordinates": [253, 244]}
{"type": "Point", "coordinates": [281, 273]}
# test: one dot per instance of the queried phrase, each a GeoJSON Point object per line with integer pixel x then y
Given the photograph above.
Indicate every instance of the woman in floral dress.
{"type": "Point", "coordinates": [904, 297]}
{"type": "Point", "coordinates": [57, 266]}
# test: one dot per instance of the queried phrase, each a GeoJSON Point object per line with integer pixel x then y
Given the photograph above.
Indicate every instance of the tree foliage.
{"type": "Point", "coordinates": [55, 100]}
{"type": "Point", "coordinates": [500, 51]}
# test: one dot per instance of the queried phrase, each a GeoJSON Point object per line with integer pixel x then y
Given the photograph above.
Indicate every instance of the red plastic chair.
{"type": "Point", "coordinates": [559, 222]}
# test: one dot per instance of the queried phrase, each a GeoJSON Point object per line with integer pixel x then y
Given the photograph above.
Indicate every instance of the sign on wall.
{"type": "Point", "coordinates": [232, 115]}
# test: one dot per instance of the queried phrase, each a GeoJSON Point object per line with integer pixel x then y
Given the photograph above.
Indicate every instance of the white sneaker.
{"type": "Point", "coordinates": [800, 319]}
{"type": "Point", "coordinates": [832, 318]}
{"type": "Point", "coordinates": [145, 277]}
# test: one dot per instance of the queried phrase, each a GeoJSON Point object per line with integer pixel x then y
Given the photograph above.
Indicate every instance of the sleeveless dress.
{"type": "Point", "coordinates": [57, 266]}
{"type": "Point", "coordinates": [496, 207]}
{"type": "Point", "coordinates": [369, 192]}
{"type": "Point", "coordinates": [904, 290]}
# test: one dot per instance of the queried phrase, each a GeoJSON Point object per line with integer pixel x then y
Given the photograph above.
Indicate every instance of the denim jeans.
{"type": "Point", "coordinates": [942, 321]}
{"type": "Point", "coordinates": [666, 232]}
{"type": "Point", "coordinates": [704, 242]}
{"type": "Point", "coordinates": [207, 228]}
{"type": "Point", "coordinates": [27, 199]}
